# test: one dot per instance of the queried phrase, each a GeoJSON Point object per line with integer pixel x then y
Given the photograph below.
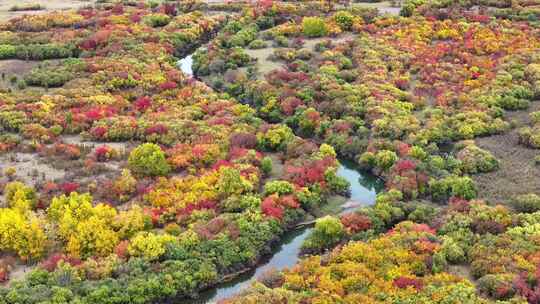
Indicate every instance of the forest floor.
{"type": "Point", "coordinates": [36, 169]}
{"type": "Point", "coordinates": [263, 56]}
{"type": "Point", "coordinates": [463, 271]}
{"type": "Point", "coordinates": [12, 71]}
{"type": "Point", "coordinates": [518, 173]}
{"type": "Point", "coordinates": [19, 272]}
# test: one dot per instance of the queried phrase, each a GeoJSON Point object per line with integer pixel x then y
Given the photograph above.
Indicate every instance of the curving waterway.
{"type": "Point", "coordinates": [364, 189]}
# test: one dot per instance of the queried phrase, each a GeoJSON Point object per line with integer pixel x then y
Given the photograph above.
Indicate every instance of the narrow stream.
{"type": "Point", "coordinates": [364, 188]}
{"type": "Point", "coordinates": [364, 185]}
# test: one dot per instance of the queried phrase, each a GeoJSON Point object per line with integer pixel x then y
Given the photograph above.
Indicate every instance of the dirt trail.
{"type": "Point", "coordinates": [277, 167]}
{"type": "Point", "coordinates": [518, 173]}
{"type": "Point", "coordinates": [463, 271]}
{"type": "Point", "coordinates": [29, 168]}
{"type": "Point", "coordinates": [19, 272]}
{"type": "Point", "coordinates": [265, 65]}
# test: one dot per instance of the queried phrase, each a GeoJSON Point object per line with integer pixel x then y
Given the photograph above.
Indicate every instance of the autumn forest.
{"type": "Point", "coordinates": [308, 152]}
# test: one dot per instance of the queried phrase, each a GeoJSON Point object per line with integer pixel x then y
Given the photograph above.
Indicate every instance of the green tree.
{"type": "Point", "coordinates": [231, 182]}
{"type": "Point", "coordinates": [328, 231]}
{"type": "Point", "coordinates": [314, 27]}
{"type": "Point", "coordinates": [148, 159]}
{"type": "Point", "coordinates": [266, 165]}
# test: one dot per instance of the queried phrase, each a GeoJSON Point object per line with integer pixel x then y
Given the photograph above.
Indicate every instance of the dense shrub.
{"type": "Point", "coordinates": [54, 76]}
{"type": "Point", "coordinates": [86, 230]}
{"type": "Point", "coordinates": [279, 187]}
{"type": "Point", "coordinates": [266, 165]}
{"type": "Point", "coordinates": [244, 37]}
{"type": "Point", "coordinates": [498, 286]}
{"type": "Point", "coordinates": [532, 72]}
{"type": "Point", "coordinates": [335, 182]}
{"type": "Point", "coordinates": [20, 196]}
{"type": "Point", "coordinates": [314, 27]}
{"type": "Point", "coordinates": [22, 234]}
{"type": "Point", "coordinates": [400, 92]}
{"type": "Point", "coordinates": [230, 182]}
{"type": "Point", "coordinates": [157, 20]}
{"type": "Point", "coordinates": [257, 44]}
{"type": "Point", "coordinates": [37, 51]}
{"type": "Point", "coordinates": [409, 6]}
{"type": "Point", "coordinates": [422, 214]}
{"type": "Point", "coordinates": [382, 259]}
{"type": "Point", "coordinates": [327, 232]}
{"type": "Point", "coordinates": [243, 140]}
{"type": "Point", "coordinates": [385, 159]}
{"type": "Point", "coordinates": [26, 7]}
{"type": "Point", "coordinates": [452, 251]}
{"type": "Point", "coordinates": [148, 245]}
{"type": "Point", "coordinates": [276, 137]}
{"type": "Point", "coordinates": [509, 102]}
{"type": "Point", "coordinates": [355, 222]}
{"type": "Point", "coordinates": [526, 203]}
{"type": "Point", "coordinates": [476, 160]}
{"type": "Point", "coordinates": [447, 187]}
{"type": "Point", "coordinates": [7, 51]}
{"type": "Point", "coordinates": [344, 19]}
{"type": "Point", "coordinates": [148, 159]}
{"type": "Point", "coordinates": [530, 136]}
{"type": "Point", "coordinates": [12, 120]}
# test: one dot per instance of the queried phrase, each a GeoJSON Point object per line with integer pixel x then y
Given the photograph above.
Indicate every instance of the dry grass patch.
{"type": "Point", "coordinates": [518, 173]}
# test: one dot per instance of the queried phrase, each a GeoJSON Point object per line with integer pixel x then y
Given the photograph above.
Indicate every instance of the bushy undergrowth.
{"type": "Point", "coordinates": [148, 159]}
{"type": "Point", "coordinates": [197, 182]}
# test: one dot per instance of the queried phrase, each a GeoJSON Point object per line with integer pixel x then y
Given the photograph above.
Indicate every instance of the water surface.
{"type": "Point", "coordinates": [364, 188]}
{"type": "Point", "coordinates": [364, 185]}
{"type": "Point", "coordinates": [186, 65]}
{"type": "Point", "coordinates": [283, 256]}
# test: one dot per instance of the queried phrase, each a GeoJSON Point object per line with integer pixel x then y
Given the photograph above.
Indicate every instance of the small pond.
{"type": "Point", "coordinates": [364, 185]}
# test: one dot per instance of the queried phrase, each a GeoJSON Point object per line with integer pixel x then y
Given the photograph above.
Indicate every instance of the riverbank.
{"type": "Point", "coordinates": [363, 190]}
{"type": "Point", "coordinates": [287, 251]}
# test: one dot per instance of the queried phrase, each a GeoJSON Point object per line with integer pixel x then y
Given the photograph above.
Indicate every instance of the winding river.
{"type": "Point", "coordinates": [364, 188]}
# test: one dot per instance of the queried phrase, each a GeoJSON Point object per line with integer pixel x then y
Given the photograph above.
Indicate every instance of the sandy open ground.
{"type": "Point", "coordinates": [518, 173]}
{"type": "Point", "coordinates": [49, 5]}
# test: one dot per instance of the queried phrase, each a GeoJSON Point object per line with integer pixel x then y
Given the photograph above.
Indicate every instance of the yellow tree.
{"type": "Point", "coordinates": [22, 234]}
